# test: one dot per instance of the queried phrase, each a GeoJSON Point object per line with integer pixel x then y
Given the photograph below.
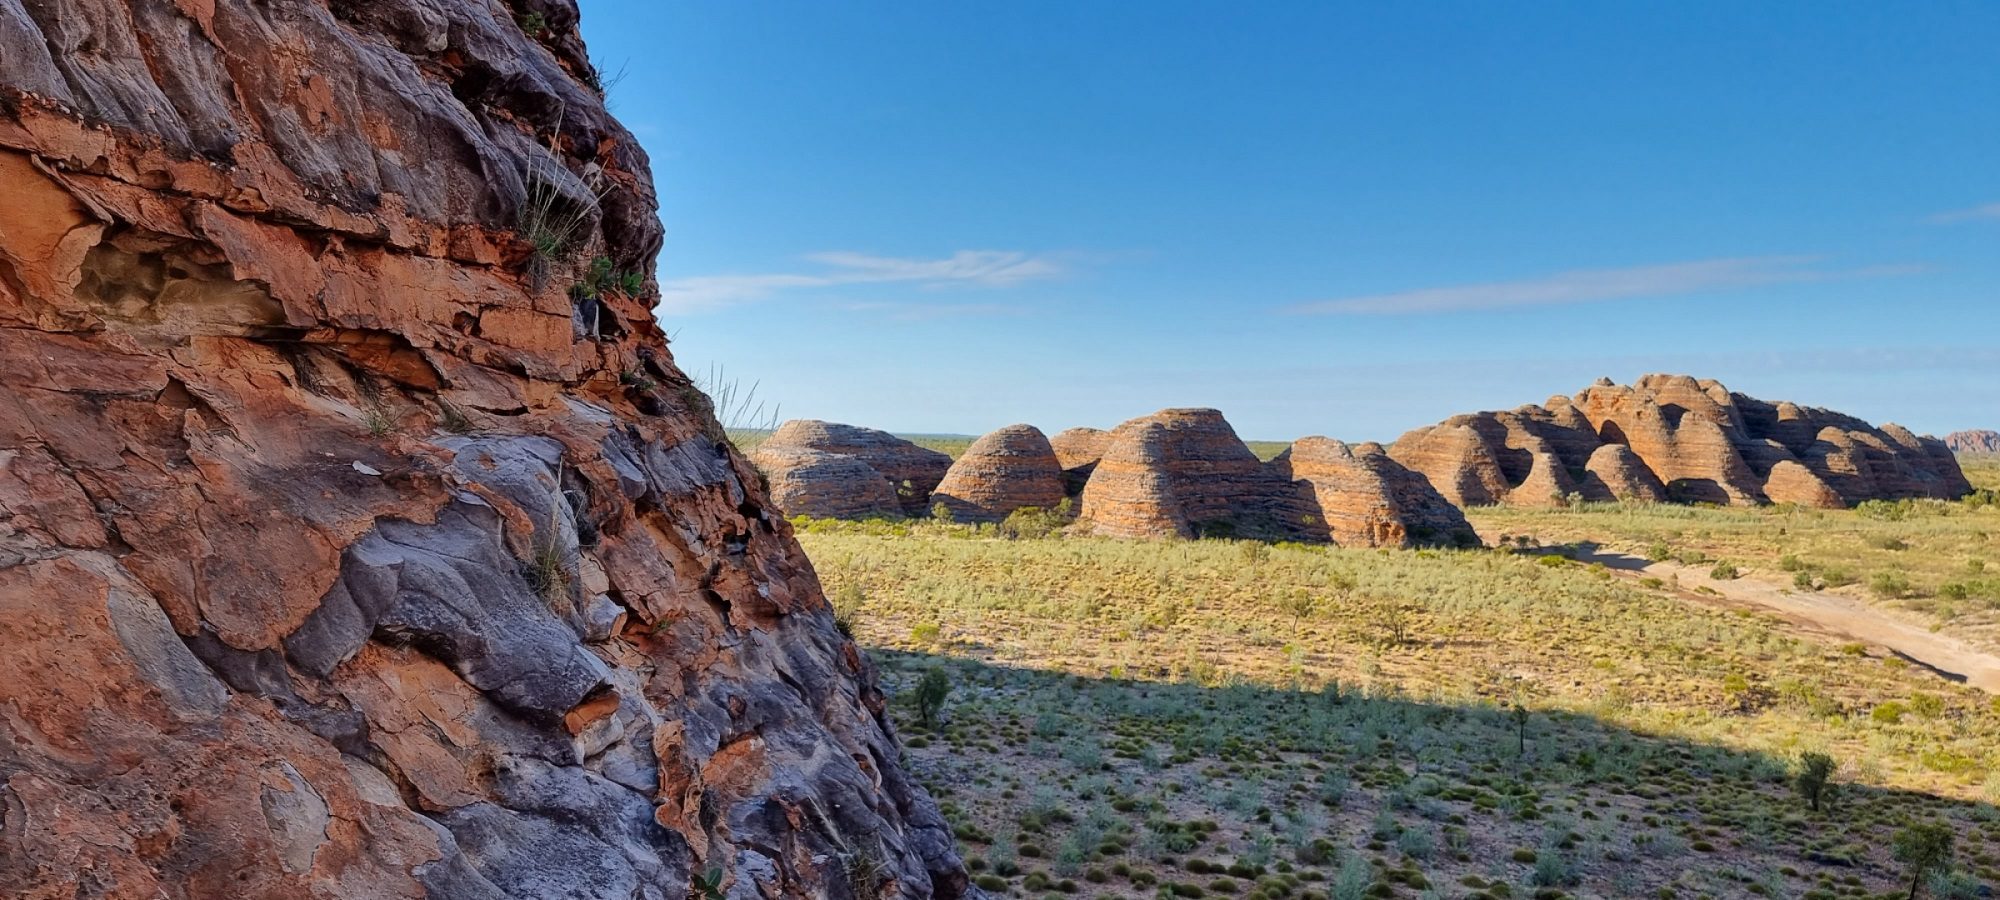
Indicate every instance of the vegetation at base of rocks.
{"type": "Point", "coordinates": [1168, 715]}
{"type": "Point", "coordinates": [1934, 561]}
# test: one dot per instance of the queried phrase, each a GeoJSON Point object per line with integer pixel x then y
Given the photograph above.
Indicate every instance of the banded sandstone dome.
{"type": "Point", "coordinates": [1690, 440]}
{"type": "Point", "coordinates": [354, 540]}
{"type": "Point", "coordinates": [1006, 470]}
{"type": "Point", "coordinates": [828, 469]}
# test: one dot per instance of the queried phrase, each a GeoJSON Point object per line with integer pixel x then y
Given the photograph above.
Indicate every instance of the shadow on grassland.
{"type": "Point", "coordinates": [1062, 785]}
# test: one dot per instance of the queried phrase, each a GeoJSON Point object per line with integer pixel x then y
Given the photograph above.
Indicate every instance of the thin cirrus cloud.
{"type": "Point", "coordinates": [966, 268]}
{"type": "Point", "coordinates": [1988, 211]}
{"type": "Point", "coordinates": [1596, 285]}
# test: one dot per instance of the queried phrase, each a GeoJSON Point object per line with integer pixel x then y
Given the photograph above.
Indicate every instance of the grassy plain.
{"type": "Point", "coordinates": [1219, 718]}
{"type": "Point", "coordinates": [1933, 562]}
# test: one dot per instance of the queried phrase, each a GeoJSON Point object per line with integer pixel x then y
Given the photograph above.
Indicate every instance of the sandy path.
{"type": "Point", "coordinates": [1825, 613]}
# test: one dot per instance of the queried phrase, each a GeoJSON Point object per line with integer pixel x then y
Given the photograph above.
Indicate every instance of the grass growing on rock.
{"type": "Point", "coordinates": [1226, 719]}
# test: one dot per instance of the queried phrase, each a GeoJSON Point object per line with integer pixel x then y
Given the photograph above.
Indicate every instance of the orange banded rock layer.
{"type": "Point", "coordinates": [1693, 439]}
{"type": "Point", "coordinates": [1008, 469]}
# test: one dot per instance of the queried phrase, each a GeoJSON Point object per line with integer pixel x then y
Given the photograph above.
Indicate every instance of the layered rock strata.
{"type": "Point", "coordinates": [910, 472]}
{"type": "Point", "coordinates": [1183, 472]}
{"type": "Point", "coordinates": [1368, 499]}
{"type": "Point", "coordinates": [1682, 439]}
{"type": "Point", "coordinates": [358, 535]}
{"type": "Point", "coordinates": [1008, 469]}
{"type": "Point", "coordinates": [1978, 440]}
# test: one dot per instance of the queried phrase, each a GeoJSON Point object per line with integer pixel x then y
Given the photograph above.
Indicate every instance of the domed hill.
{"type": "Point", "coordinates": [911, 472]}
{"type": "Point", "coordinates": [1367, 499]}
{"type": "Point", "coordinates": [1975, 441]}
{"type": "Point", "coordinates": [359, 536]}
{"type": "Point", "coordinates": [1689, 440]}
{"type": "Point", "coordinates": [1184, 473]}
{"type": "Point", "coordinates": [1077, 451]}
{"type": "Point", "coordinates": [1009, 469]}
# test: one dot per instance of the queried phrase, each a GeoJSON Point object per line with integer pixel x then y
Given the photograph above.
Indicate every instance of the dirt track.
{"type": "Point", "coordinates": [1823, 613]}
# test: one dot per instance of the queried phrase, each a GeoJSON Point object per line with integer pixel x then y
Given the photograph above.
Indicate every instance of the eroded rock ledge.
{"type": "Point", "coordinates": [358, 535]}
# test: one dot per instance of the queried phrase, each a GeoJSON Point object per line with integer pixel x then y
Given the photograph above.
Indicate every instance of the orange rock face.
{"type": "Point", "coordinates": [1684, 439]}
{"type": "Point", "coordinates": [1367, 499]}
{"type": "Point", "coordinates": [1006, 470]}
{"type": "Point", "coordinates": [1183, 472]}
{"type": "Point", "coordinates": [1077, 452]}
{"type": "Point", "coordinates": [805, 482]}
{"type": "Point", "coordinates": [351, 545]}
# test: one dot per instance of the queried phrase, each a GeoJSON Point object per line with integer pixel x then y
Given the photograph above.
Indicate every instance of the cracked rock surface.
{"type": "Point", "coordinates": [358, 535]}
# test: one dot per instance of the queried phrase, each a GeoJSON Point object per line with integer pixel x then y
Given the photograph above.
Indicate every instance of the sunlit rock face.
{"type": "Point", "coordinates": [1681, 439]}
{"type": "Point", "coordinates": [358, 535]}
{"type": "Point", "coordinates": [1368, 499]}
{"type": "Point", "coordinates": [1184, 473]}
{"type": "Point", "coordinates": [827, 469]}
{"type": "Point", "coordinates": [1978, 440]}
{"type": "Point", "coordinates": [1005, 470]}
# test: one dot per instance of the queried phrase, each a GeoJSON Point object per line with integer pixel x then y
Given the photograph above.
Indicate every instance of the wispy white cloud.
{"type": "Point", "coordinates": [1594, 285]}
{"type": "Point", "coordinates": [966, 268]}
{"type": "Point", "coordinates": [1988, 211]}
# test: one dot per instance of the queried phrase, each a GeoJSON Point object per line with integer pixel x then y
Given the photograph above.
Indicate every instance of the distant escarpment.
{"type": "Point", "coordinates": [1672, 437]}
{"type": "Point", "coordinates": [359, 536]}
{"type": "Point", "coordinates": [844, 471]}
{"type": "Point", "coordinates": [1978, 440]}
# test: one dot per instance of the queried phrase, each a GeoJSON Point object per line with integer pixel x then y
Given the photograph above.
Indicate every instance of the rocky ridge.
{"type": "Point", "coordinates": [358, 535]}
{"type": "Point", "coordinates": [1680, 439]}
{"type": "Point", "coordinates": [1978, 440]}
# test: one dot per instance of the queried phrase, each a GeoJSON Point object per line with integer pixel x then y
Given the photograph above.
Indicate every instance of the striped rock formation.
{"type": "Point", "coordinates": [1077, 452]}
{"type": "Point", "coordinates": [351, 543]}
{"type": "Point", "coordinates": [1184, 473]}
{"type": "Point", "coordinates": [834, 490]}
{"type": "Point", "coordinates": [1367, 499]}
{"type": "Point", "coordinates": [1978, 440]}
{"type": "Point", "coordinates": [1685, 439]}
{"type": "Point", "coordinates": [1008, 469]}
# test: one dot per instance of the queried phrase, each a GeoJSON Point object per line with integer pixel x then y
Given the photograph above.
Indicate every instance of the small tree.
{"type": "Point", "coordinates": [1298, 604]}
{"type": "Point", "coordinates": [1520, 714]}
{"type": "Point", "coordinates": [931, 691]}
{"type": "Point", "coordinates": [1813, 775]}
{"type": "Point", "coordinates": [1924, 850]}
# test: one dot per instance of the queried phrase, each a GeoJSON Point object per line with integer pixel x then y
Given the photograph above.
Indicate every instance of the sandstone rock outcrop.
{"type": "Point", "coordinates": [1009, 469]}
{"type": "Point", "coordinates": [1367, 499]}
{"type": "Point", "coordinates": [1686, 439]}
{"type": "Point", "coordinates": [911, 472]}
{"type": "Point", "coordinates": [356, 541]}
{"type": "Point", "coordinates": [1614, 472]}
{"type": "Point", "coordinates": [1978, 440]}
{"type": "Point", "coordinates": [1183, 472]}
{"type": "Point", "coordinates": [1077, 452]}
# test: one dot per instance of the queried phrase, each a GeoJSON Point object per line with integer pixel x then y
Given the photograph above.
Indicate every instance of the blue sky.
{"type": "Point", "coordinates": [1321, 218]}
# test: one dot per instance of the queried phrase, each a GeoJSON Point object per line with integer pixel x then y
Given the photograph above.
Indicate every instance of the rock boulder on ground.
{"type": "Point", "coordinates": [358, 536]}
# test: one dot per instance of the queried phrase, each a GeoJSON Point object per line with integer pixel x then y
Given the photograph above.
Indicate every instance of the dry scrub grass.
{"type": "Point", "coordinates": [1344, 719]}
{"type": "Point", "coordinates": [1932, 562]}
